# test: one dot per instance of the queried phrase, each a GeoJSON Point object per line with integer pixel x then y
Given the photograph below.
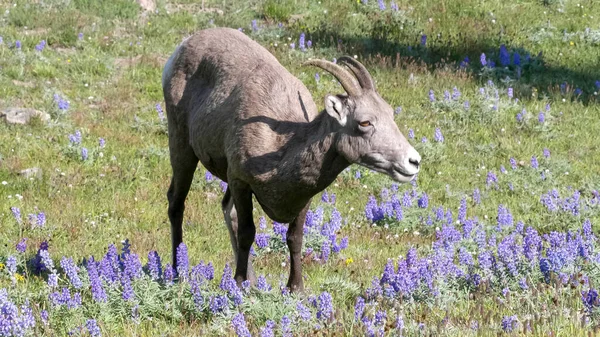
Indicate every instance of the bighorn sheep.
{"type": "Point", "coordinates": [233, 107]}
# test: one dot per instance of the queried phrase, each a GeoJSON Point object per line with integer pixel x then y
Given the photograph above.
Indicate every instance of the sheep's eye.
{"type": "Point", "coordinates": [364, 123]}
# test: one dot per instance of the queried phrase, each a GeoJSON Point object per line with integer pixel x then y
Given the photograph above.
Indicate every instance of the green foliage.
{"type": "Point", "coordinates": [114, 9]}
{"type": "Point", "coordinates": [278, 10]}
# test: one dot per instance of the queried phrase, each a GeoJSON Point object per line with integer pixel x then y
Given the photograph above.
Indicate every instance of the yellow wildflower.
{"type": "Point", "coordinates": [1, 266]}
{"type": "Point", "coordinates": [349, 260]}
{"type": "Point", "coordinates": [571, 43]}
{"type": "Point", "coordinates": [19, 277]}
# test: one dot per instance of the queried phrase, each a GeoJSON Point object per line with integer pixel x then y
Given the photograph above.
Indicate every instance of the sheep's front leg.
{"type": "Point", "coordinates": [231, 220]}
{"type": "Point", "coordinates": [295, 235]}
{"type": "Point", "coordinates": [242, 200]}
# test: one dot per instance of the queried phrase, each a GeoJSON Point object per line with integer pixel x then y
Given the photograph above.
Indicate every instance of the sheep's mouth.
{"type": "Point", "coordinates": [390, 169]}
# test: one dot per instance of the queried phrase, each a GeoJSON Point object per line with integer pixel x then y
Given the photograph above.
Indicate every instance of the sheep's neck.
{"type": "Point", "coordinates": [318, 156]}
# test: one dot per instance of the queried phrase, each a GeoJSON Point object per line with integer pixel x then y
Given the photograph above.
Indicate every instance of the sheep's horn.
{"type": "Point", "coordinates": [360, 71]}
{"type": "Point", "coordinates": [342, 75]}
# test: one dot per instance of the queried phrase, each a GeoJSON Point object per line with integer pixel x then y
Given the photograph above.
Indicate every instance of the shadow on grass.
{"type": "Point", "coordinates": [526, 75]}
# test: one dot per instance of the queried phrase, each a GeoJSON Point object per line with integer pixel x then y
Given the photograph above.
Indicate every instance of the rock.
{"type": "Point", "coordinates": [34, 172]}
{"type": "Point", "coordinates": [147, 5]}
{"type": "Point", "coordinates": [22, 115]}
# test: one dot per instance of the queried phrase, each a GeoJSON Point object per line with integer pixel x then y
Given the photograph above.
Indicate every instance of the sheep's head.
{"type": "Point", "coordinates": [367, 133]}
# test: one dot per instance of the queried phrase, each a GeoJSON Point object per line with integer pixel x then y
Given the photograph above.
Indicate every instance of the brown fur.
{"type": "Point", "coordinates": [234, 108]}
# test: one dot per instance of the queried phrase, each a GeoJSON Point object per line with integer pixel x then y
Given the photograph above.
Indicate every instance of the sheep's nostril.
{"type": "Point", "coordinates": [415, 162]}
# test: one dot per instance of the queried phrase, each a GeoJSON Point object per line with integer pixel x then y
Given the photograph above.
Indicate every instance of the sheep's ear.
{"type": "Point", "coordinates": [336, 108]}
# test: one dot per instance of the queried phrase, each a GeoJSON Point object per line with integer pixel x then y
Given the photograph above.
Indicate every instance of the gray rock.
{"type": "Point", "coordinates": [34, 172]}
{"type": "Point", "coordinates": [22, 115]}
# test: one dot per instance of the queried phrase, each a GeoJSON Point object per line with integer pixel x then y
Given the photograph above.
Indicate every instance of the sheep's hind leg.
{"type": "Point", "coordinates": [183, 162]}
{"type": "Point", "coordinates": [231, 220]}
{"type": "Point", "coordinates": [237, 208]}
{"type": "Point", "coordinates": [295, 235]}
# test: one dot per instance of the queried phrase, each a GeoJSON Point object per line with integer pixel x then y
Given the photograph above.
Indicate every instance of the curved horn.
{"type": "Point", "coordinates": [362, 74]}
{"type": "Point", "coordinates": [342, 75]}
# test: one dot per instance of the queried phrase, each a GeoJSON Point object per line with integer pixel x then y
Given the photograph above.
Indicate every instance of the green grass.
{"type": "Point", "coordinates": [112, 79]}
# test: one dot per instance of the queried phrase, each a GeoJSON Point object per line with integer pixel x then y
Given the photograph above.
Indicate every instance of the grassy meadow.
{"type": "Point", "coordinates": [495, 237]}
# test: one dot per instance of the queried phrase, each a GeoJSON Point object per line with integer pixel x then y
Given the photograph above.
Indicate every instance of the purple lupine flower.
{"type": "Point", "coordinates": [464, 257]}
{"type": "Point", "coordinates": [128, 293]}
{"type": "Point", "coordinates": [317, 77]}
{"type": "Point", "coordinates": [60, 102]}
{"type": "Point", "coordinates": [154, 265]}
{"type": "Point", "coordinates": [546, 153]}
{"type": "Point", "coordinates": [541, 117]}
{"type": "Point", "coordinates": [21, 245]}
{"type": "Point", "coordinates": [80, 36]}
{"type": "Point", "coordinates": [423, 40]}
{"type": "Point", "coordinates": [504, 56]}
{"type": "Point", "coordinates": [359, 309]}
{"type": "Point", "coordinates": [262, 284]}
{"type": "Point", "coordinates": [510, 93]}
{"type": "Point", "coordinates": [254, 26]}
{"type": "Point", "coordinates": [308, 44]}
{"type": "Point", "coordinates": [159, 110]}
{"type": "Point", "coordinates": [239, 325]}
{"type": "Point", "coordinates": [438, 137]}
{"type": "Point", "coordinates": [40, 46]}
{"type": "Point", "coordinates": [286, 326]}
{"type": "Point", "coordinates": [424, 140]}
{"type": "Point", "coordinates": [18, 44]}
{"type": "Point", "coordinates": [93, 328]}
{"type": "Point", "coordinates": [11, 264]}
{"type": "Point", "coordinates": [513, 163]}
{"type": "Point", "coordinates": [183, 263]}
{"type": "Point", "coordinates": [467, 105]}
{"type": "Point", "coordinates": [520, 116]}
{"type": "Point", "coordinates": [431, 96]}
{"type": "Point", "coordinates": [411, 134]}
{"type": "Point", "coordinates": [292, 45]}
{"type": "Point", "coordinates": [303, 311]}
{"type": "Point", "coordinates": [223, 186]}
{"type": "Point", "coordinates": [381, 4]}
{"type": "Point", "coordinates": [455, 94]}
{"type": "Point", "coordinates": [325, 250]}
{"type": "Point", "coordinates": [423, 201]}
{"type": "Point", "coordinates": [262, 223]}
{"type": "Point", "coordinates": [16, 213]}
{"type": "Point", "coordinates": [398, 110]}
{"type": "Point", "coordinates": [393, 6]}
{"type": "Point", "coordinates": [98, 293]}
{"type": "Point", "coordinates": [168, 274]}
{"type": "Point", "coordinates": [101, 142]}
{"type": "Point", "coordinates": [267, 331]}
{"type": "Point", "coordinates": [280, 229]}
{"type": "Point", "coordinates": [590, 300]}
{"type": "Point", "coordinates": [516, 59]}
{"type": "Point", "coordinates": [44, 316]}
{"type": "Point", "coordinates": [491, 179]}
{"type": "Point", "coordinates": [71, 270]}
{"type": "Point", "coordinates": [262, 240]}
{"type": "Point", "coordinates": [218, 304]}
{"type": "Point", "coordinates": [534, 162]}
{"type": "Point", "coordinates": [301, 42]}
{"type": "Point", "coordinates": [509, 323]}
{"type": "Point", "coordinates": [477, 196]}
{"type": "Point", "coordinates": [446, 95]}
{"type": "Point", "coordinates": [84, 154]}
{"type": "Point", "coordinates": [483, 60]}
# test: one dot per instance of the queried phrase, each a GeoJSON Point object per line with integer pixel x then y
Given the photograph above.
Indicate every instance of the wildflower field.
{"type": "Point", "coordinates": [498, 235]}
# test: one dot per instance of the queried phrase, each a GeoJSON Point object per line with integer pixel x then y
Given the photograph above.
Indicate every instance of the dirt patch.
{"type": "Point", "coordinates": [192, 8]}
